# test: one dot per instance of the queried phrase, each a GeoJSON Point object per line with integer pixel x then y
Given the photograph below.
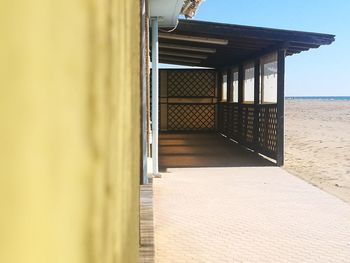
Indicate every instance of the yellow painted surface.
{"type": "Point", "coordinates": [70, 131]}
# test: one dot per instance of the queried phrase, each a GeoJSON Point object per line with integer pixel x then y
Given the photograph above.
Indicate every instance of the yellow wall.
{"type": "Point", "coordinates": [69, 131]}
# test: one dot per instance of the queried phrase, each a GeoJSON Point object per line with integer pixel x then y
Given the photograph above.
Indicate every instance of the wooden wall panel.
{"type": "Point", "coordinates": [70, 131]}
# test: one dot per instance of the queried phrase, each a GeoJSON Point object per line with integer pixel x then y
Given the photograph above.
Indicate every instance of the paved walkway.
{"type": "Point", "coordinates": [245, 214]}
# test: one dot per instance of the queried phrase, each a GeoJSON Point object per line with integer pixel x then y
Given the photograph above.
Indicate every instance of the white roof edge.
{"type": "Point", "coordinates": [167, 11]}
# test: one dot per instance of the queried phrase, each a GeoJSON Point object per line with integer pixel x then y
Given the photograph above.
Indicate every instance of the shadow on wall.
{"type": "Point", "coordinates": [180, 150]}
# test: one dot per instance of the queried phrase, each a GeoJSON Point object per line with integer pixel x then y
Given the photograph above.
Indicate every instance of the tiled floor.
{"type": "Point", "coordinates": [204, 150]}
{"type": "Point", "coordinates": [246, 214]}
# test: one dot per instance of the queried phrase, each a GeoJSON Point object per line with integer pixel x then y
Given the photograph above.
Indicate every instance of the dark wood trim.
{"type": "Point", "coordinates": [191, 97]}
{"type": "Point", "coordinates": [281, 54]}
{"type": "Point", "coordinates": [229, 85]}
{"type": "Point", "coordinates": [251, 33]}
{"type": "Point", "coordinates": [219, 85]}
{"type": "Point", "coordinates": [186, 69]}
{"type": "Point", "coordinates": [244, 42]}
{"type": "Point", "coordinates": [217, 112]}
{"type": "Point", "coordinates": [256, 104]}
{"type": "Point", "coordinates": [240, 101]}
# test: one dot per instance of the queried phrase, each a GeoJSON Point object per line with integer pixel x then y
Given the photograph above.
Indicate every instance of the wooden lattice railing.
{"type": "Point", "coordinates": [237, 122]}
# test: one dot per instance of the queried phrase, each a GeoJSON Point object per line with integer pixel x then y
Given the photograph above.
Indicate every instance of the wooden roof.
{"type": "Point", "coordinates": [187, 44]}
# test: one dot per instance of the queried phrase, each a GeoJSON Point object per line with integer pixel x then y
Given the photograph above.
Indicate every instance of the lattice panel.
{"type": "Point", "coordinates": [220, 118]}
{"type": "Point", "coordinates": [235, 121]}
{"type": "Point", "coordinates": [194, 83]}
{"type": "Point", "coordinates": [232, 126]}
{"type": "Point", "coordinates": [229, 126]}
{"type": "Point", "coordinates": [224, 118]}
{"type": "Point", "coordinates": [268, 128]}
{"type": "Point", "coordinates": [247, 123]}
{"type": "Point", "coordinates": [191, 117]}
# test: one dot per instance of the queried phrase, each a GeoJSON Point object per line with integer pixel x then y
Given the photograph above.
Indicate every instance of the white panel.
{"type": "Point", "coordinates": [248, 84]}
{"type": "Point", "coordinates": [235, 85]}
{"type": "Point", "coordinates": [269, 79]}
{"type": "Point", "coordinates": [167, 11]}
{"type": "Point", "coordinates": [224, 87]}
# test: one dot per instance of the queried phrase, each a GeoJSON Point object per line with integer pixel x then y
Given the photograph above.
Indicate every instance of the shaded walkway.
{"type": "Point", "coordinates": [248, 215]}
{"type": "Point", "coordinates": [204, 150]}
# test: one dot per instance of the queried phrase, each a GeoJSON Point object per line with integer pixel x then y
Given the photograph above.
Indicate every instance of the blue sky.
{"type": "Point", "coordinates": [318, 72]}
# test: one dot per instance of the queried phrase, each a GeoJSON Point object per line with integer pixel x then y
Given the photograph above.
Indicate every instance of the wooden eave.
{"type": "Point", "coordinates": [244, 42]}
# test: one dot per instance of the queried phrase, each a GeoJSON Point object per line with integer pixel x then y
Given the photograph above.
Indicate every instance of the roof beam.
{"type": "Point", "coordinates": [184, 55]}
{"type": "Point", "coordinates": [186, 60]}
{"type": "Point", "coordinates": [227, 30]}
{"type": "Point", "coordinates": [208, 40]}
{"type": "Point", "coordinates": [179, 63]}
{"type": "Point", "coordinates": [188, 48]}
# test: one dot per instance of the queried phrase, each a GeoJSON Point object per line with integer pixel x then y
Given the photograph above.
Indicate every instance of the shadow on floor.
{"type": "Point", "coordinates": [180, 150]}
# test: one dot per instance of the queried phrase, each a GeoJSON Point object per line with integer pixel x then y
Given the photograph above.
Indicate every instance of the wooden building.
{"type": "Point", "coordinates": [73, 105]}
{"type": "Point", "coordinates": [241, 92]}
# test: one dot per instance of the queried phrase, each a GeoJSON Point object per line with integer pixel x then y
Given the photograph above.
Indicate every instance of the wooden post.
{"type": "Point", "coordinates": [256, 104]}
{"type": "Point", "coordinates": [228, 102]}
{"type": "Point", "coordinates": [281, 54]}
{"type": "Point", "coordinates": [240, 100]}
{"type": "Point", "coordinates": [219, 81]}
{"type": "Point", "coordinates": [218, 115]}
{"type": "Point", "coordinates": [229, 86]}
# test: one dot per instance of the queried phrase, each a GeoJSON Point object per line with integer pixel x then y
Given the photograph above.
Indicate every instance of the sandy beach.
{"type": "Point", "coordinates": [317, 144]}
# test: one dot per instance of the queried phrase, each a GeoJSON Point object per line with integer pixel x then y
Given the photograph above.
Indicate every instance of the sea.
{"type": "Point", "coordinates": [318, 97]}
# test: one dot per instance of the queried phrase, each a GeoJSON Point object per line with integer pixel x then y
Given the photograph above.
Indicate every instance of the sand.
{"type": "Point", "coordinates": [317, 144]}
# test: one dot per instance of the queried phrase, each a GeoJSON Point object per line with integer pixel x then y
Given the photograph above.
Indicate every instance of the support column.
{"type": "Point", "coordinates": [155, 95]}
{"type": "Point", "coordinates": [240, 101]}
{"type": "Point", "coordinates": [256, 104]}
{"type": "Point", "coordinates": [218, 116]}
{"type": "Point", "coordinates": [281, 54]}
{"type": "Point", "coordinates": [229, 127]}
{"type": "Point", "coordinates": [229, 85]}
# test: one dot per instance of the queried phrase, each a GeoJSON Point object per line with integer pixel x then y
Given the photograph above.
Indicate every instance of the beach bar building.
{"type": "Point", "coordinates": [239, 93]}
{"type": "Point", "coordinates": [77, 122]}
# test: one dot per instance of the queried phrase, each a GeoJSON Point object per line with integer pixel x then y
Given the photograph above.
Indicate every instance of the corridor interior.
{"type": "Point", "coordinates": [186, 150]}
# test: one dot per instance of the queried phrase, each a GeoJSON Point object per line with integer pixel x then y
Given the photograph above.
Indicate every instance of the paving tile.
{"type": "Point", "coordinates": [252, 214]}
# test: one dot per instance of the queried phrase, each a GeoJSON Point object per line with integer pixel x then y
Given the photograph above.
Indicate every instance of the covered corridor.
{"type": "Point", "coordinates": [239, 94]}
{"type": "Point", "coordinates": [186, 150]}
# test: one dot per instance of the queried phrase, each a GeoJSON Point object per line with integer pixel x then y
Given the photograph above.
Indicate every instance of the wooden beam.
{"type": "Point", "coordinates": [229, 85]}
{"type": "Point", "coordinates": [187, 48]}
{"type": "Point", "coordinates": [180, 63]}
{"type": "Point", "coordinates": [281, 54]}
{"type": "Point", "coordinates": [240, 100]}
{"type": "Point", "coordinates": [217, 109]}
{"type": "Point", "coordinates": [256, 104]}
{"type": "Point", "coordinates": [219, 74]}
{"type": "Point", "coordinates": [183, 55]}
{"type": "Point", "coordinates": [211, 29]}
{"type": "Point", "coordinates": [180, 59]}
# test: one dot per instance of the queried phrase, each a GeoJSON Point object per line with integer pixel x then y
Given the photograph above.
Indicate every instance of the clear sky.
{"type": "Point", "coordinates": [317, 72]}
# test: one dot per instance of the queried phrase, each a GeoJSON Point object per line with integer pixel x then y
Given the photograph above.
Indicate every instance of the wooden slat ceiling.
{"type": "Point", "coordinates": [243, 43]}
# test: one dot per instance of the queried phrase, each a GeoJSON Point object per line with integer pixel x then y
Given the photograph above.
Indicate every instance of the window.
{"type": "Point", "coordinates": [269, 79]}
{"type": "Point", "coordinates": [224, 87]}
{"type": "Point", "coordinates": [248, 83]}
{"type": "Point", "coordinates": [234, 85]}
